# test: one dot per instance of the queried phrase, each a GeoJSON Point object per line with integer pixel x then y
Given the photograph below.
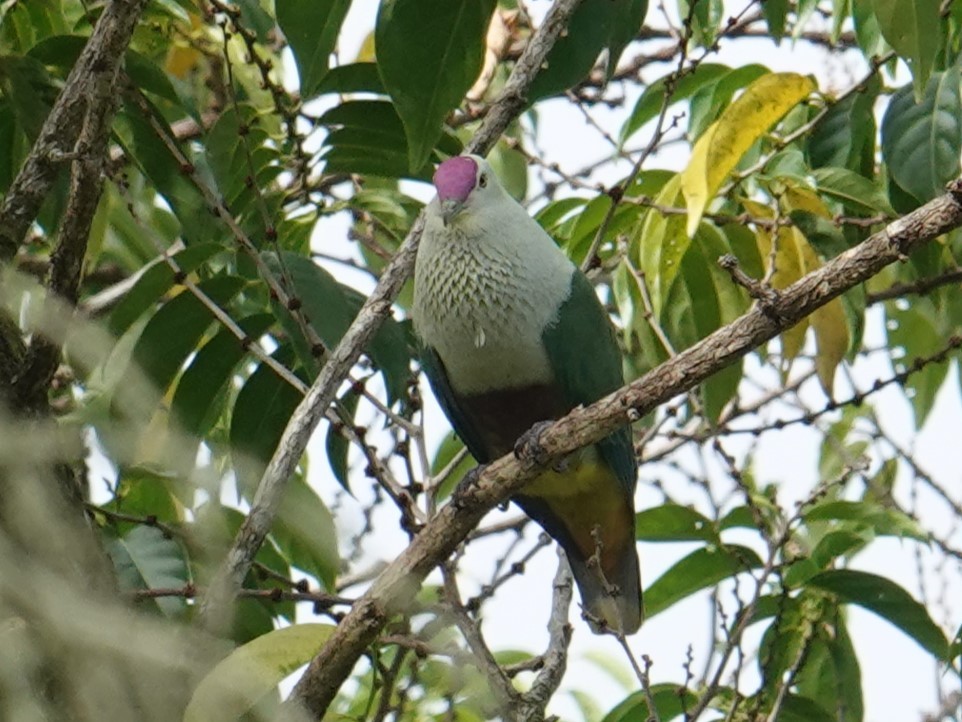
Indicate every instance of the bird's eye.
{"type": "Point", "coordinates": [483, 180]}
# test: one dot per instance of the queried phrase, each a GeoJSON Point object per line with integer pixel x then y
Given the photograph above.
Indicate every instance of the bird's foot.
{"type": "Point", "coordinates": [468, 483]}
{"type": "Point", "coordinates": [528, 447]}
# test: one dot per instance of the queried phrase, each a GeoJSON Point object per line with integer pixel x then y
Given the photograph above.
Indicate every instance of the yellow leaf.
{"type": "Point", "coordinates": [718, 151]}
{"type": "Point", "coordinates": [661, 243]}
{"type": "Point", "coordinates": [799, 198]}
{"type": "Point", "coordinates": [182, 59]}
{"type": "Point", "coordinates": [365, 54]}
{"type": "Point", "coordinates": [183, 56]}
{"type": "Point", "coordinates": [828, 322]}
{"type": "Point", "coordinates": [788, 269]}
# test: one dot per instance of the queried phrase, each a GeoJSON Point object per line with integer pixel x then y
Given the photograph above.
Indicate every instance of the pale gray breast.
{"type": "Point", "coordinates": [483, 308]}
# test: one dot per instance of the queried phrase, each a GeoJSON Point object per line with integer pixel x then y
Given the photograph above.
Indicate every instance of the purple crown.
{"type": "Point", "coordinates": [454, 178]}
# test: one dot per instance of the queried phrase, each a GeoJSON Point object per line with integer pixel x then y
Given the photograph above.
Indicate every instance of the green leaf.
{"type": "Point", "coordinates": [590, 30]}
{"type": "Point", "coordinates": [649, 103]}
{"type": "Point", "coordinates": [585, 226]}
{"type": "Point", "coordinates": [774, 12]}
{"type": "Point", "coordinates": [629, 17]}
{"type": "Point", "coordinates": [672, 522]}
{"type": "Point", "coordinates": [351, 78]}
{"type": "Point", "coordinates": [30, 90]}
{"type": "Point", "coordinates": [740, 517]}
{"type": "Point", "coordinates": [956, 648]}
{"type": "Point", "coordinates": [854, 191]}
{"type": "Point", "coordinates": [236, 142]}
{"type": "Point", "coordinates": [63, 50]}
{"type": "Point", "coordinates": [143, 492]}
{"type": "Point", "coordinates": [838, 544]}
{"type": "Point", "coordinates": [331, 307]}
{"type": "Point", "coordinates": [337, 444]}
{"type": "Point", "coordinates": [194, 404]}
{"type": "Point", "coordinates": [311, 28]}
{"type": "Point", "coordinates": [555, 213]}
{"type": "Point", "coordinates": [867, 30]}
{"type": "Point", "coordinates": [169, 337]}
{"type": "Point", "coordinates": [882, 520]}
{"type": "Point", "coordinates": [154, 282]}
{"type": "Point", "coordinates": [705, 16]}
{"type": "Point", "coordinates": [429, 53]}
{"type": "Point", "coordinates": [305, 532]}
{"type": "Point", "coordinates": [661, 243]}
{"type": "Point", "coordinates": [670, 699]}
{"type": "Point", "coordinates": [913, 28]}
{"type": "Point", "coordinates": [371, 139]}
{"type": "Point", "coordinates": [913, 333]}
{"type": "Point", "coordinates": [141, 143]}
{"type": "Point", "coordinates": [822, 234]}
{"type": "Point", "coordinates": [888, 600]}
{"type": "Point", "coordinates": [250, 672]}
{"type": "Point", "coordinates": [146, 559]}
{"type": "Point", "coordinates": [450, 446]}
{"type": "Point", "coordinates": [263, 407]}
{"type": "Point", "coordinates": [796, 708]}
{"type": "Point", "coordinates": [715, 302]}
{"type": "Point", "coordinates": [701, 569]}
{"type": "Point", "coordinates": [845, 135]}
{"type": "Point", "coordinates": [921, 141]}
{"type": "Point", "coordinates": [830, 672]}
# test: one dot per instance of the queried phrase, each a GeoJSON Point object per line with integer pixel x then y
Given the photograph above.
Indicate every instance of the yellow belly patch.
{"type": "Point", "coordinates": [586, 495]}
{"type": "Point", "coordinates": [583, 474]}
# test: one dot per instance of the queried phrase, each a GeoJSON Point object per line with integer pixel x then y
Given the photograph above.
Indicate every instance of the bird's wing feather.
{"type": "Point", "coordinates": [463, 424]}
{"type": "Point", "coordinates": [584, 355]}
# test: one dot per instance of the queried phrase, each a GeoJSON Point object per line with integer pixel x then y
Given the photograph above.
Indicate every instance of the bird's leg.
{"type": "Point", "coordinates": [468, 483]}
{"type": "Point", "coordinates": [528, 447]}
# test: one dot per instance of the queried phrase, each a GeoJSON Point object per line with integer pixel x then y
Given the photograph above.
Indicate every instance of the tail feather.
{"type": "Point", "coordinates": [616, 606]}
{"type": "Point", "coordinates": [611, 594]}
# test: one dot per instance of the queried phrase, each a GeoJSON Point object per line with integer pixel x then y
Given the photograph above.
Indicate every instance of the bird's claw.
{"type": "Point", "coordinates": [528, 447]}
{"type": "Point", "coordinates": [468, 483]}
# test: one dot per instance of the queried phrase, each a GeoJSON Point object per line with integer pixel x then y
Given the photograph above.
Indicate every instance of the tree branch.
{"type": "Point", "coordinates": [214, 612]}
{"type": "Point", "coordinates": [99, 61]}
{"type": "Point", "coordinates": [66, 263]}
{"type": "Point", "coordinates": [396, 587]}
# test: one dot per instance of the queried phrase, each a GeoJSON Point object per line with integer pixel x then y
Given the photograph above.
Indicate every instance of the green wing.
{"type": "Point", "coordinates": [463, 425]}
{"type": "Point", "coordinates": [586, 361]}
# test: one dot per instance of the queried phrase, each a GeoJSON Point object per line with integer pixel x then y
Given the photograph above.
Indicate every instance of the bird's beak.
{"type": "Point", "coordinates": [449, 209]}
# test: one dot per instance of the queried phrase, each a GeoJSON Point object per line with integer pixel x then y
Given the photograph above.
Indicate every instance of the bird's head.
{"type": "Point", "coordinates": [462, 182]}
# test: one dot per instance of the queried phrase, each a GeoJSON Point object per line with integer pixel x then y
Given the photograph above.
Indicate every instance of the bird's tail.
{"type": "Point", "coordinates": [612, 599]}
{"type": "Point", "coordinates": [598, 536]}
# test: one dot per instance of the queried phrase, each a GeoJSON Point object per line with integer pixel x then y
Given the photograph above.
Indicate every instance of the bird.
{"type": "Point", "coordinates": [512, 335]}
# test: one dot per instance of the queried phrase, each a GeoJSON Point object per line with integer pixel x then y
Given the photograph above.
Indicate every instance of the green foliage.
{"type": "Point", "coordinates": [253, 671]}
{"type": "Point", "coordinates": [922, 138]}
{"type": "Point", "coordinates": [595, 25]}
{"type": "Point", "coordinates": [426, 80]}
{"type": "Point", "coordinates": [312, 29]}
